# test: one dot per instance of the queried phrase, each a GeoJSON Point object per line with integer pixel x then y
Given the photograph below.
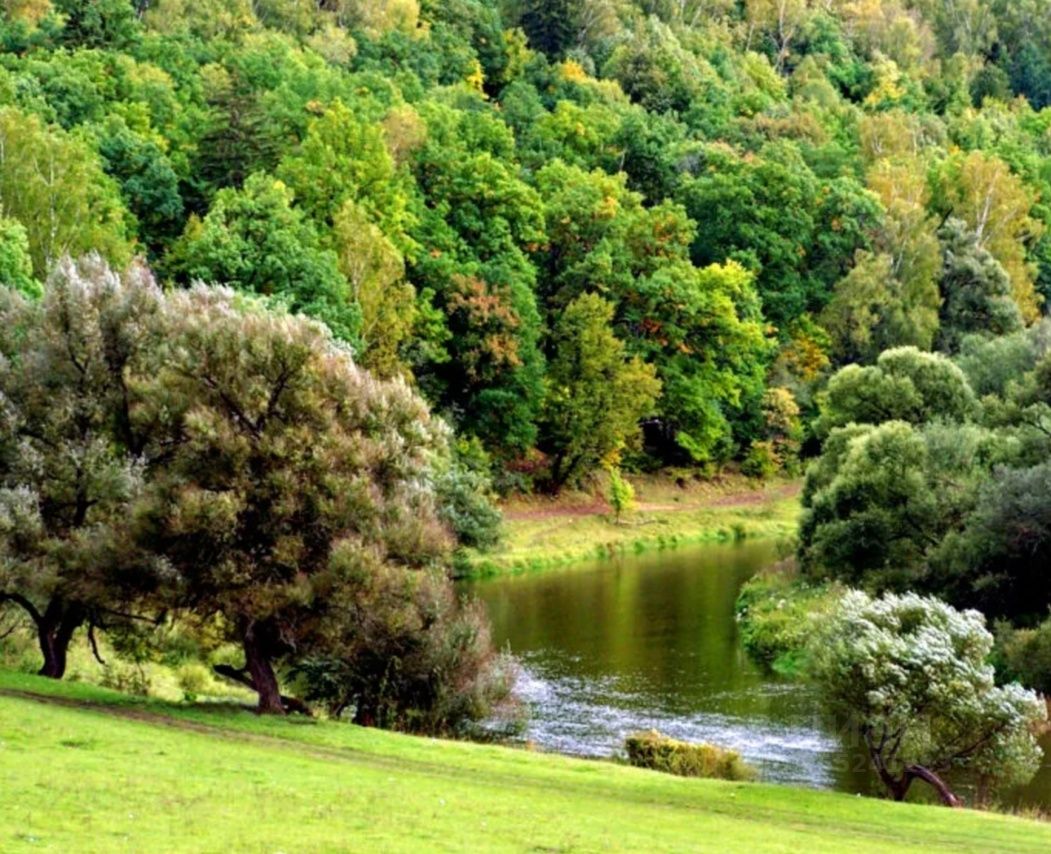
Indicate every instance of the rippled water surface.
{"type": "Point", "coordinates": [651, 642]}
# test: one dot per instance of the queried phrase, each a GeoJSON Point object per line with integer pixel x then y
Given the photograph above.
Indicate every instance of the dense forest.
{"type": "Point", "coordinates": [591, 232]}
{"type": "Point", "coordinates": [513, 245]}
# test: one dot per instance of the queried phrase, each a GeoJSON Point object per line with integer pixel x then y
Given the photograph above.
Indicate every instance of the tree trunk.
{"type": "Point", "coordinates": [946, 796]}
{"type": "Point", "coordinates": [263, 677]}
{"type": "Point", "coordinates": [55, 629]}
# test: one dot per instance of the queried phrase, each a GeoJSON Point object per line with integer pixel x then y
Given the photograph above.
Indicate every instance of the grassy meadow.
{"type": "Point", "coordinates": [89, 770]}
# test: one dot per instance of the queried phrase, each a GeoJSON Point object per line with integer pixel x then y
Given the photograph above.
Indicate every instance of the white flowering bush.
{"type": "Point", "coordinates": [911, 675]}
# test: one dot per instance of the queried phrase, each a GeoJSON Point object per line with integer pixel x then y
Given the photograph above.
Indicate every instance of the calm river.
{"type": "Point", "coordinates": [650, 642]}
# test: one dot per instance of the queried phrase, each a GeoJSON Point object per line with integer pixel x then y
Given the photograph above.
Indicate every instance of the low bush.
{"type": "Point", "coordinates": [414, 659]}
{"type": "Point", "coordinates": [660, 753]}
{"type": "Point", "coordinates": [776, 613]}
{"type": "Point", "coordinates": [761, 461]}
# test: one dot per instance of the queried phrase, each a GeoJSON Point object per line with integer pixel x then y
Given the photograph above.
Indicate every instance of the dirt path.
{"type": "Point", "coordinates": [746, 498]}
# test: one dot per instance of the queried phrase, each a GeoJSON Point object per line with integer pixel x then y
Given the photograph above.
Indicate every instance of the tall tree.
{"type": "Point", "coordinates": [255, 240]}
{"type": "Point", "coordinates": [72, 461]}
{"type": "Point", "coordinates": [976, 290]}
{"type": "Point", "coordinates": [597, 395]}
{"type": "Point", "coordinates": [293, 477]}
{"type": "Point", "coordinates": [981, 189]}
{"type": "Point", "coordinates": [52, 182]}
{"type": "Point", "coordinates": [16, 267]}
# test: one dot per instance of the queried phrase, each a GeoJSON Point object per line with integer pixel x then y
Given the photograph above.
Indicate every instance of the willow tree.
{"type": "Point", "coordinates": [293, 477]}
{"type": "Point", "coordinates": [71, 459]}
{"type": "Point", "coordinates": [912, 675]}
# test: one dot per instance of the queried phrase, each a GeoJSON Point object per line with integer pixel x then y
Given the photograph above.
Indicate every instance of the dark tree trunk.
{"type": "Point", "coordinates": [918, 772]}
{"type": "Point", "coordinates": [264, 680]}
{"type": "Point", "coordinates": [55, 629]}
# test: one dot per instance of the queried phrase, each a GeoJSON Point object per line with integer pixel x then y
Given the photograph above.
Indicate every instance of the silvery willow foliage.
{"type": "Point", "coordinates": [911, 676]}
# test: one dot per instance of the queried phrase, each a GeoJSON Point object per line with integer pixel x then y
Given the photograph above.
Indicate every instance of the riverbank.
{"type": "Point", "coordinates": [543, 533]}
{"type": "Point", "coordinates": [89, 770]}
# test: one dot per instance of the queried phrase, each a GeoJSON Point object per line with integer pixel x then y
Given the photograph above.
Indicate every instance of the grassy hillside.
{"type": "Point", "coordinates": [82, 769]}
{"type": "Point", "coordinates": [540, 533]}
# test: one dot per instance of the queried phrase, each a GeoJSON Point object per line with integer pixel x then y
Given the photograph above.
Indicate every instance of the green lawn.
{"type": "Point", "coordinates": [83, 769]}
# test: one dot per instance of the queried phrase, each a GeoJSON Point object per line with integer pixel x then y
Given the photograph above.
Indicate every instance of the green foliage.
{"type": "Point", "coordinates": [881, 508]}
{"type": "Point", "coordinates": [344, 157]}
{"type": "Point", "coordinates": [976, 290]}
{"type": "Point", "coordinates": [1024, 655]}
{"type": "Point", "coordinates": [620, 493]}
{"type": "Point", "coordinates": [911, 674]}
{"type": "Point", "coordinates": [904, 385]}
{"type": "Point", "coordinates": [777, 613]}
{"type": "Point", "coordinates": [53, 184]}
{"type": "Point", "coordinates": [771, 213]}
{"type": "Point", "coordinates": [409, 658]}
{"type": "Point", "coordinates": [740, 182]}
{"type": "Point", "coordinates": [761, 461]}
{"type": "Point", "coordinates": [999, 562]}
{"type": "Point", "coordinates": [16, 267]}
{"type": "Point", "coordinates": [597, 395]}
{"type": "Point", "coordinates": [98, 23]}
{"type": "Point", "coordinates": [992, 364]}
{"type": "Point", "coordinates": [659, 753]}
{"type": "Point", "coordinates": [254, 240]}
{"type": "Point", "coordinates": [466, 503]}
{"type": "Point", "coordinates": [149, 184]}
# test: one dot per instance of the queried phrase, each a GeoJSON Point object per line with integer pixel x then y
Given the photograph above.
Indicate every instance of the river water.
{"type": "Point", "coordinates": [650, 642]}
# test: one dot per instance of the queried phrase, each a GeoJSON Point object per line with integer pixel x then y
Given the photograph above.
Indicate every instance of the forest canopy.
{"type": "Point", "coordinates": [735, 198]}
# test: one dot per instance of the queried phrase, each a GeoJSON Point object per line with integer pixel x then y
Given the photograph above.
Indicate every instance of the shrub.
{"type": "Point", "coordinates": [761, 461]}
{"type": "Point", "coordinates": [126, 678]}
{"type": "Point", "coordinates": [465, 496]}
{"type": "Point", "coordinates": [621, 494]}
{"type": "Point", "coordinates": [660, 753]}
{"type": "Point", "coordinates": [194, 680]}
{"type": "Point", "coordinates": [776, 613]}
{"type": "Point", "coordinates": [412, 658]}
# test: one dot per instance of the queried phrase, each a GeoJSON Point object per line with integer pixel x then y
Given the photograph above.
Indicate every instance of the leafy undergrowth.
{"type": "Point", "coordinates": [85, 769]}
{"type": "Point", "coordinates": [541, 534]}
{"type": "Point", "coordinates": [776, 613]}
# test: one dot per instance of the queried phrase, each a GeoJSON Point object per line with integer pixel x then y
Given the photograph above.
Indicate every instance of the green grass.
{"type": "Point", "coordinates": [540, 535]}
{"type": "Point", "coordinates": [84, 769]}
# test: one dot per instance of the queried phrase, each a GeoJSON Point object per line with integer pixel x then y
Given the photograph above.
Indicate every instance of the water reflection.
{"type": "Point", "coordinates": [651, 642]}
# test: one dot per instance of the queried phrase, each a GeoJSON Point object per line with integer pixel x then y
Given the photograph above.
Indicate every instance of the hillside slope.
{"type": "Point", "coordinates": [85, 770]}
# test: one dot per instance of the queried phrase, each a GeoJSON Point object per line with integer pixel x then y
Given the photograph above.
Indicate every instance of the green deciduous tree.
{"type": "Point", "coordinates": [344, 157]}
{"type": "Point", "coordinates": [99, 23]}
{"type": "Point", "coordinates": [905, 384]}
{"type": "Point", "coordinates": [148, 182]}
{"type": "Point", "coordinates": [911, 675]}
{"type": "Point", "coordinates": [254, 240]}
{"type": "Point", "coordinates": [999, 563]}
{"type": "Point", "coordinates": [596, 395]}
{"type": "Point", "coordinates": [52, 183]}
{"type": "Point", "coordinates": [16, 267]}
{"type": "Point", "coordinates": [602, 240]}
{"type": "Point", "coordinates": [882, 503]}
{"type": "Point", "coordinates": [996, 204]}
